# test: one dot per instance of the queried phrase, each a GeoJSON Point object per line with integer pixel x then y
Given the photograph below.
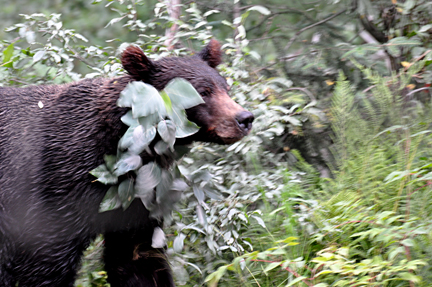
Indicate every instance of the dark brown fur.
{"type": "Point", "coordinates": [49, 201]}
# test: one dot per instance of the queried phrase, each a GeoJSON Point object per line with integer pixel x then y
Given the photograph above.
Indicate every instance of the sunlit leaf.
{"type": "Point", "coordinates": [179, 242]}
{"type": "Point", "coordinates": [259, 220]}
{"type": "Point", "coordinates": [129, 120]}
{"type": "Point", "coordinates": [38, 56]}
{"type": "Point", "coordinates": [141, 139]}
{"type": "Point", "coordinates": [182, 94]}
{"type": "Point", "coordinates": [158, 238]}
{"type": "Point", "coordinates": [146, 100]}
{"type": "Point", "coordinates": [167, 101]}
{"type": "Point", "coordinates": [8, 53]}
{"type": "Point", "coordinates": [261, 9]}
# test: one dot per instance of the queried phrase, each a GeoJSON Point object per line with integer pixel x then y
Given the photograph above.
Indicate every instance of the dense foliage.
{"type": "Point", "coordinates": [332, 187]}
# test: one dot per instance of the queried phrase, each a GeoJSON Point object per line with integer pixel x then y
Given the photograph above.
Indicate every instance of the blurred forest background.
{"type": "Point", "coordinates": [334, 185]}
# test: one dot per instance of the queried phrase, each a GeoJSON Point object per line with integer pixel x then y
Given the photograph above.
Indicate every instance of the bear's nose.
{"type": "Point", "coordinates": [244, 120]}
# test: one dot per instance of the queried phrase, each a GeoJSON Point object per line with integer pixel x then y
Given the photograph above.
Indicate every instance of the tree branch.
{"type": "Point", "coordinates": [312, 26]}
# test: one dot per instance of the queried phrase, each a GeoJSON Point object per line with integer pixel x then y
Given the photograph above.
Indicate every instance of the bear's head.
{"type": "Point", "coordinates": [221, 119]}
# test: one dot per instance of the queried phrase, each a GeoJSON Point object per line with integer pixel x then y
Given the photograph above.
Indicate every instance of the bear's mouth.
{"type": "Point", "coordinates": [221, 138]}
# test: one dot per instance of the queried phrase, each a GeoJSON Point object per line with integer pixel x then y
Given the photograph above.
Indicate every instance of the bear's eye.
{"type": "Point", "coordinates": [205, 93]}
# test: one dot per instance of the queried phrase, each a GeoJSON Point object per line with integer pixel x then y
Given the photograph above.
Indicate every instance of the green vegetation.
{"type": "Point", "coordinates": [332, 188]}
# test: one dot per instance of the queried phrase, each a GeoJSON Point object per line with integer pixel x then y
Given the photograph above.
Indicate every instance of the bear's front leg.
{"type": "Point", "coordinates": [131, 261]}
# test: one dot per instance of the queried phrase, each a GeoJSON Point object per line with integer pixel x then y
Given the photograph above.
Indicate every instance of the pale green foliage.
{"type": "Point", "coordinates": [373, 222]}
{"type": "Point", "coordinates": [159, 188]}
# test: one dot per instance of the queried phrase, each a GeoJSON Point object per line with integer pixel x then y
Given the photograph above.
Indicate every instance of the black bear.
{"type": "Point", "coordinates": [48, 199]}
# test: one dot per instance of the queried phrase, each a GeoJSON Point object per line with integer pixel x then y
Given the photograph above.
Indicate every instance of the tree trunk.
{"type": "Point", "coordinates": [174, 10]}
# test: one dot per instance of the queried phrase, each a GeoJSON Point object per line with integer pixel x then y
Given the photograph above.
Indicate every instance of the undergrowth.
{"type": "Point", "coordinates": [368, 225]}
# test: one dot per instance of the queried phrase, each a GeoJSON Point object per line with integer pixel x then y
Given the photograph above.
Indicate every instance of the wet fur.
{"type": "Point", "coordinates": [48, 200]}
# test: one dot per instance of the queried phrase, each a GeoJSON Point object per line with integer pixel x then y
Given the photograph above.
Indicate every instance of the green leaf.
{"type": "Point", "coordinates": [199, 193]}
{"type": "Point", "coordinates": [126, 96]}
{"type": "Point", "coordinates": [179, 243]}
{"type": "Point", "coordinates": [208, 13]}
{"type": "Point", "coordinates": [143, 98]}
{"type": "Point", "coordinates": [214, 277]}
{"type": "Point", "coordinates": [7, 55]}
{"type": "Point", "coordinates": [127, 163]}
{"type": "Point", "coordinates": [114, 20]}
{"type": "Point", "coordinates": [404, 41]}
{"type": "Point", "coordinates": [129, 120]}
{"type": "Point", "coordinates": [200, 175]}
{"type": "Point", "coordinates": [321, 284]}
{"type": "Point", "coordinates": [410, 277]}
{"type": "Point", "coordinates": [127, 139]}
{"type": "Point", "coordinates": [295, 281]}
{"type": "Point", "coordinates": [126, 192]}
{"type": "Point", "coordinates": [408, 242]}
{"type": "Point", "coordinates": [167, 131]}
{"type": "Point", "coordinates": [212, 193]}
{"type": "Point", "coordinates": [110, 161]}
{"type": "Point", "coordinates": [395, 252]}
{"type": "Point", "coordinates": [182, 94]}
{"type": "Point", "coordinates": [425, 28]}
{"type": "Point", "coordinates": [164, 186]}
{"type": "Point", "coordinates": [38, 56]}
{"type": "Point", "coordinates": [179, 185]}
{"type": "Point", "coordinates": [146, 100]}
{"type": "Point", "coordinates": [111, 200]}
{"type": "Point", "coordinates": [362, 50]}
{"type": "Point", "coordinates": [408, 5]}
{"type": "Point", "coordinates": [148, 177]}
{"type": "Point", "coordinates": [184, 127]}
{"type": "Point", "coordinates": [141, 139]}
{"type": "Point", "coordinates": [161, 147]}
{"type": "Point", "coordinates": [167, 101]}
{"type": "Point", "coordinates": [261, 9]}
{"type": "Point", "coordinates": [158, 238]}
{"type": "Point", "coordinates": [202, 219]}
{"type": "Point", "coordinates": [288, 239]}
{"type": "Point", "coordinates": [259, 220]}
{"type": "Point", "coordinates": [104, 175]}
{"type": "Point", "coordinates": [272, 266]}
{"type": "Point", "coordinates": [395, 44]}
{"type": "Point", "coordinates": [394, 51]}
{"type": "Point", "coordinates": [149, 121]}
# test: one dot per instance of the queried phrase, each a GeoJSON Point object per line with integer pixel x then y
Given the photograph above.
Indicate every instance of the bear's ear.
{"type": "Point", "coordinates": [136, 63]}
{"type": "Point", "coordinates": [212, 53]}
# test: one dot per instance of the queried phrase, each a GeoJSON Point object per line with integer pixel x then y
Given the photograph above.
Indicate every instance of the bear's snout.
{"type": "Point", "coordinates": [244, 120]}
